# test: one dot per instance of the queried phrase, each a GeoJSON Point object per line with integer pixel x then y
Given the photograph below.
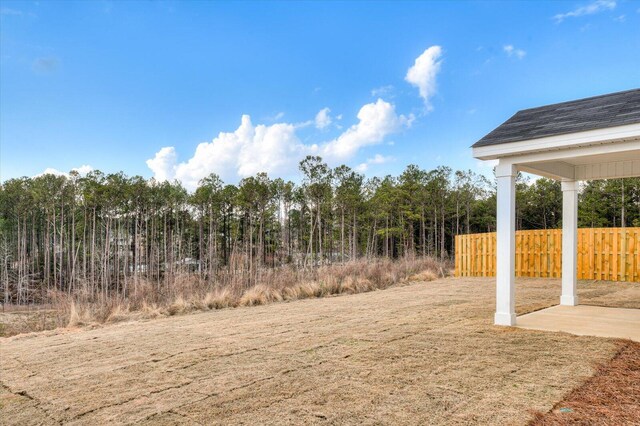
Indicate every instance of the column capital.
{"type": "Point", "coordinates": [506, 170]}
{"type": "Point", "coordinates": [569, 185]}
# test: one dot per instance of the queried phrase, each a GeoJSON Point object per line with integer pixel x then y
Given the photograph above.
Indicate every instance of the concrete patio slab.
{"type": "Point", "coordinates": [585, 320]}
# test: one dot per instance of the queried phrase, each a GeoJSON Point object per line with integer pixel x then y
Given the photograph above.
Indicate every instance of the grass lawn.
{"type": "Point", "coordinates": [424, 353]}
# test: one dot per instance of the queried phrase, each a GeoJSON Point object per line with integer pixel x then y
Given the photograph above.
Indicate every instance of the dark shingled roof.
{"type": "Point", "coordinates": [599, 112]}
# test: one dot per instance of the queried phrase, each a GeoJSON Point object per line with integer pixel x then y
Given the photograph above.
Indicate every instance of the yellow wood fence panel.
{"type": "Point", "coordinates": [603, 254]}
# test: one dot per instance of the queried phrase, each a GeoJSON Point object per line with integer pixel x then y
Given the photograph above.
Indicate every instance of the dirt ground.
{"type": "Point", "coordinates": [425, 353]}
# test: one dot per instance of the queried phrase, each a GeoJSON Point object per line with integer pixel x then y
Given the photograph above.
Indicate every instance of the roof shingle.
{"type": "Point", "coordinates": [614, 109]}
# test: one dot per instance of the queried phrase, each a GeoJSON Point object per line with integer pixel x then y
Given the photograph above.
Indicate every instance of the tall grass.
{"type": "Point", "coordinates": [189, 293]}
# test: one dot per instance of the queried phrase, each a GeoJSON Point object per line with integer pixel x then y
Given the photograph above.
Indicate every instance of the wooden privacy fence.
{"type": "Point", "coordinates": [603, 254]}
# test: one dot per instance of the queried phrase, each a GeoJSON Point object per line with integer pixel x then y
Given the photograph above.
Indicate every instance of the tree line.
{"type": "Point", "coordinates": [102, 234]}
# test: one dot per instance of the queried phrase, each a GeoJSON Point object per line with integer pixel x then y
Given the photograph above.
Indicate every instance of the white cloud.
{"type": "Point", "coordinates": [275, 117]}
{"type": "Point", "coordinates": [589, 9]}
{"type": "Point", "coordinates": [377, 120]}
{"type": "Point", "coordinates": [323, 118]}
{"type": "Point", "coordinates": [423, 72]}
{"type": "Point", "coordinates": [377, 159]}
{"type": "Point", "coordinates": [246, 151]}
{"type": "Point", "coordinates": [163, 164]}
{"type": "Point", "coordinates": [386, 91]}
{"type": "Point", "coordinates": [275, 149]}
{"type": "Point", "coordinates": [82, 171]}
{"type": "Point", "coordinates": [512, 51]}
{"type": "Point", "coordinates": [51, 171]}
{"type": "Point", "coordinates": [271, 149]}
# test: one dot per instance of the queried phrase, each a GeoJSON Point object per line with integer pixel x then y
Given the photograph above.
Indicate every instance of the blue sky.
{"type": "Point", "coordinates": [182, 89]}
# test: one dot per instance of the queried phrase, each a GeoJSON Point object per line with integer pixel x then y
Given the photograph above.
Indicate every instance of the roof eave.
{"type": "Point", "coordinates": [550, 143]}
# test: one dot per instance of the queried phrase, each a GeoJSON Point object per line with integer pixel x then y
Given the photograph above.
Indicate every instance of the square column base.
{"type": "Point", "coordinates": [502, 318]}
{"type": "Point", "coordinates": [569, 300]}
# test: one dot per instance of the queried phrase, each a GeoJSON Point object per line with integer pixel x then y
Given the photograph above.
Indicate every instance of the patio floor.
{"type": "Point", "coordinates": [585, 320]}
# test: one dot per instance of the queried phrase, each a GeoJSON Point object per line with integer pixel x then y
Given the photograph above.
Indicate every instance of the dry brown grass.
{"type": "Point", "coordinates": [260, 295]}
{"type": "Point", "coordinates": [422, 353]}
{"type": "Point", "coordinates": [188, 293]}
{"type": "Point", "coordinates": [18, 320]}
{"type": "Point", "coordinates": [179, 306]}
{"type": "Point", "coordinates": [219, 299]}
{"type": "Point", "coordinates": [610, 397]}
{"type": "Point", "coordinates": [77, 315]}
{"type": "Point", "coordinates": [303, 290]}
{"type": "Point", "coordinates": [424, 276]}
{"type": "Point", "coordinates": [151, 310]}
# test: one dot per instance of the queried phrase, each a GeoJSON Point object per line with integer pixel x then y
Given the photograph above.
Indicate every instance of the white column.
{"type": "Point", "coordinates": [569, 243]}
{"type": "Point", "coordinates": [506, 239]}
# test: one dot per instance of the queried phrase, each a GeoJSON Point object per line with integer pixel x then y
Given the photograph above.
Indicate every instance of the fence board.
{"type": "Point", "coordinates": [603, 254]}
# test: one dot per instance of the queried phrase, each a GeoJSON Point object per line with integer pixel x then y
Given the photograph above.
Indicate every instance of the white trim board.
{"type": "Point", "coordinates": [629, 132]}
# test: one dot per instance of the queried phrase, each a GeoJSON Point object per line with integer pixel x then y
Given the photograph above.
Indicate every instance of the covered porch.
{"type": "Point", "coordinates": [593, 138]}
{"type": "Point", "coordinates": [585, 320]}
